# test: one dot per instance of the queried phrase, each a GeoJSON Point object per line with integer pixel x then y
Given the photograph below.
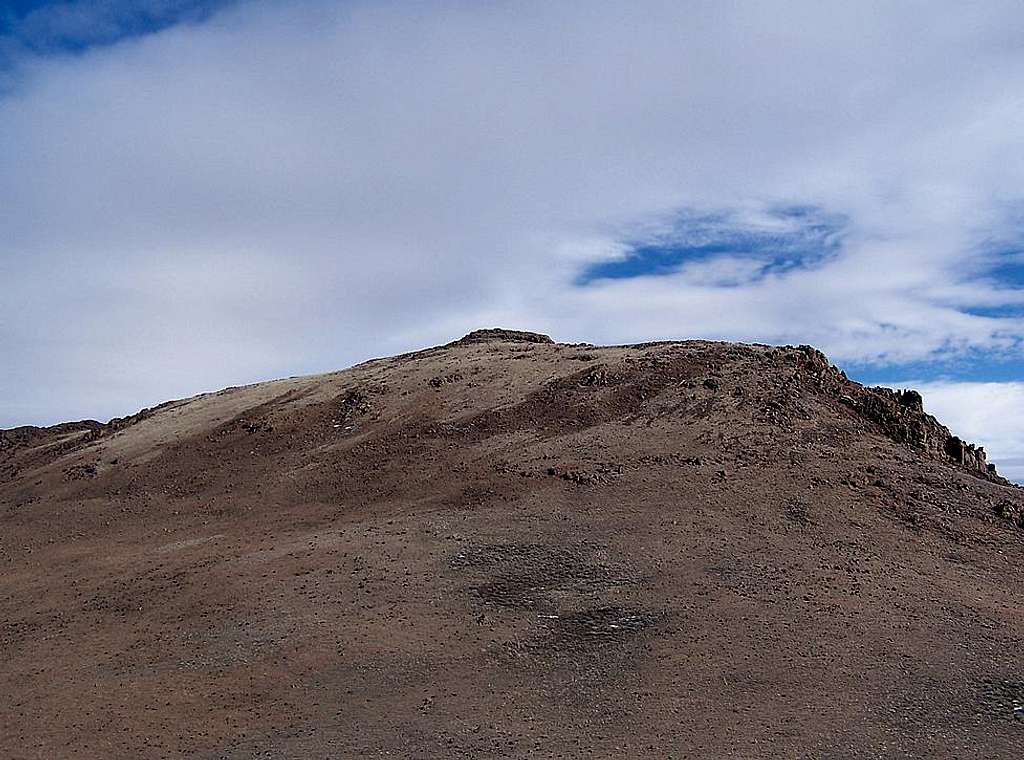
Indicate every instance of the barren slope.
{"type": "Point", "coordinates": [511, 548]}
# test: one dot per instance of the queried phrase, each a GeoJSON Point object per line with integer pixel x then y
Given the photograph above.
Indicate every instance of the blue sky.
{"type": "Point", "coordinates": [61, 26]}
{"type": "Point", "coordinates": [195, 194]}
{"type": "Point", "coordinates": [789, 238]}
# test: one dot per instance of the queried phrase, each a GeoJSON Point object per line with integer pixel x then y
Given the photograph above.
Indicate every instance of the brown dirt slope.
{"type": "Point", "coordinates": [508, 547]}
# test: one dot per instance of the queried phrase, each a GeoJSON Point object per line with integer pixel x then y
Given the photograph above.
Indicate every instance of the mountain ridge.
{"type": "Point", "coordinates": [508, 547]}
{"type": "Point", "coordinates": [899, 412]}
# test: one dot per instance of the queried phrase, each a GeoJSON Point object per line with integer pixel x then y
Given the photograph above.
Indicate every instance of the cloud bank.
{"type": "Point", "coordinates": [292, 187]}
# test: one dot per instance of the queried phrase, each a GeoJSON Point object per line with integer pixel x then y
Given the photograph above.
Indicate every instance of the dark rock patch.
{"type": "Point", "coordinates": [531, 576]}
{"type": "Point", "coordinates": [501, 335]}
{"type": "Point", "coordinates": [1004, 700]}
{"type": "Point", "coordinates": [591, 629]}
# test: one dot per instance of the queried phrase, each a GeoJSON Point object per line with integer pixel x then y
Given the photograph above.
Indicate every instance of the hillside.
{"type": "Point", "coordinates": [509, 547]}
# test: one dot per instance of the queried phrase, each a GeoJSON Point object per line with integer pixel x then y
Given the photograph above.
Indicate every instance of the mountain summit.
{"type": "Point", "coordinates": [511, 547]}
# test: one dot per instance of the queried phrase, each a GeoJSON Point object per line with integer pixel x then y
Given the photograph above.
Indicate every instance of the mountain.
{"type": "Point", "coordinates": [510, 547]}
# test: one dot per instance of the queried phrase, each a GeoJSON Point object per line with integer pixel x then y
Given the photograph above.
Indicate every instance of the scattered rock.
{"type": "Point", "coordinates": [438, 380]}
{"type": "Point", "coordinates": [353, 403]}
{"type": "Point", "coordinates": [1004, 700]}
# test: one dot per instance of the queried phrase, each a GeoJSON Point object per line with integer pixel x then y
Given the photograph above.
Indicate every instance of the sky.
{"type": "Point", "coordinates": [199, 193]}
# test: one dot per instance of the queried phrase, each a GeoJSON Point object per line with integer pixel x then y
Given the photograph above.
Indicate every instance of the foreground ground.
{"type": "Point", "coordinates": [512, 548]}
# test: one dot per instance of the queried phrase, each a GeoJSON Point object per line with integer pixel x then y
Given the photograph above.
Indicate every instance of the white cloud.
{"type": "Point", "coordinates": [296, 186]}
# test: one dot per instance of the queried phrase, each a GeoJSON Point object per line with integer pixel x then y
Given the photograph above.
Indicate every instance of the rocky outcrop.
{"type": "Point", "coordinates": [498, 334]}
{"type": "Point", "coordinates": [900, 414]}
{"type": "Point", "coordinates": [967, 454]}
